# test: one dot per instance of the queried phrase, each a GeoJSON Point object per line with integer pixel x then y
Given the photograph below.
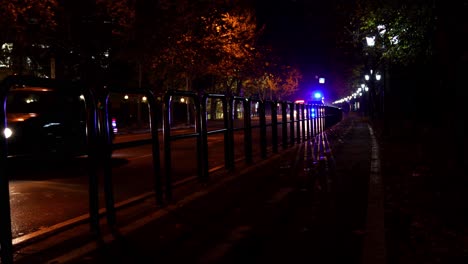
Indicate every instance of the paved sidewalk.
{"type": "Point", "coordinates": [320, 201]}
{"type": "Point", "coordinates": [335, 213]}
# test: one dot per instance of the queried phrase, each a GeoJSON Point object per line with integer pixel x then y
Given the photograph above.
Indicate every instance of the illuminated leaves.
{"type": "Point", "coordinates": [172, 43]}
{"type": "Point", "coordinates": [220, 44]}
{"type": "Point", "coordinates": [234, 34]}
{"type": "Point", "coordinates": [231, 37]}
{"type": "Point", "coordinates": [283, 83]}
{"type": "Point", "coordinates": [402, 30]}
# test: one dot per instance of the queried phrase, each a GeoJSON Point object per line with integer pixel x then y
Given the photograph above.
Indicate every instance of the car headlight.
{"type": "Point", "coordinates": [8, 132]}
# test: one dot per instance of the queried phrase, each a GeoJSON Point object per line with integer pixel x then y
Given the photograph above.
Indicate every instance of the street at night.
{"type": "Point", "coordinates": [286, 131]}
{"type": "Point", "coordinates": [48, 192]}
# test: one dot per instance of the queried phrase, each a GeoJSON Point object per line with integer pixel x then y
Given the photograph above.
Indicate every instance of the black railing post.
{"type": "Point", "coordinates": [155, 149]}
{"type": "Point", "coordinates": [274, 126]}
{"type": "Point", "coordinates": [93, 159]}
{"type": "Point", "coordinates": [284, 124]}
{"type": "Point", "coordinates": [307, 113]}
{"type": "Point", "coordinates": [227, 144]}
{"type": "Point", "coordinates": [167, 145]}
{"type": "Point", "coordinates": [314, 120]}
{"type": "Point", "coordinates": [304, 120]}
{"type": "Point", "coordinates": [154, 118]}
{"type": "Point", "coordinates": [106, 144]}
{"type": "Point", "coordinates": [202, 176]}
{"type": "Point", "coordinates": [291, 123]}
{"type": "Point", "coordinates": [263, 136]}
{"type": "Point", "coordinates": [230, 130]}
{"type": "Point", "coordinates": [204, 135]}
{"type": "Point", "coordinates": [322, 118]}
{"type": "Point", "coordinates": [247, 131]}
{"type": "Point", "coordinates": [298, 123]}
{"type": "Point", "coordinates": [168, 138]}
{"type": "Point", "coordinates": [204, 131]}
{"type": "Point", "coordinates": [6, 246]}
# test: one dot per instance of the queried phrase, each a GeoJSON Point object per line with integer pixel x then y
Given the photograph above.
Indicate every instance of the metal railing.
{"type": "Point", "coordinates": [92, 125]}
{"type": "Point", "coordinates": [303, 120]}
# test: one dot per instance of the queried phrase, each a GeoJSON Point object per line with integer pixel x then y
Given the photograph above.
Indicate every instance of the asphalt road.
{"type": "Point", "coordinates": [45, 194]}
{"type": "Point", "coordinates": [294, 208]}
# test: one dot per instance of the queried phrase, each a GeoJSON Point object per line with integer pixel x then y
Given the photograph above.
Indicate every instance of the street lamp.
{"type": "Point", "coordinates": [370, 41]}
{"type": "Point", "coordinates": [376, 44]}
{"type": "Point", "coordinates": [371, 80]}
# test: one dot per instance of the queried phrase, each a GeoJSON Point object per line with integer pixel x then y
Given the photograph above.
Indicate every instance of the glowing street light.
{"type": "Point", "coordinates": [381, 29]}
{"type": "Point", "coordinates": [370, 41]}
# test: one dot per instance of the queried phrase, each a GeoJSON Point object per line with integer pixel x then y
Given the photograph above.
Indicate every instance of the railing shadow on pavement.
{"type": "Point", "coordinates": [303, 120]}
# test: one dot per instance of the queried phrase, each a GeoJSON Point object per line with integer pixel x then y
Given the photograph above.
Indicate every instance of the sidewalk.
{"type": "Point", "coordinates": [335, 212]}
{"type": "Point", "coordinates": [425, 195]}
{"type": "Point", "coordinates": [320, 201]}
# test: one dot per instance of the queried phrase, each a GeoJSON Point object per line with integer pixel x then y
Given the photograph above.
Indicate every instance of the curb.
{"type": "Point", "coordinates": [374, 248]}
{"type": "Point", "coordinates": [46, 241]}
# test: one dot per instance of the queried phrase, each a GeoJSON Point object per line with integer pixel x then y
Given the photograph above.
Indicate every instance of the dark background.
{"type": "Point", "coordinates": [305, 33]}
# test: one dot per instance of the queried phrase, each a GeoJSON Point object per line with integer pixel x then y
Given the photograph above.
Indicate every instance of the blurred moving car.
{"type": "Point", "coordinates": [44, 121]}
{"type": "Point", "coordinates": [45, 118]}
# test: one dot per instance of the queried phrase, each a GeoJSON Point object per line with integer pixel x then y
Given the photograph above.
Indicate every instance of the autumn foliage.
{"type": "Point", "coordinates": [211, 46]}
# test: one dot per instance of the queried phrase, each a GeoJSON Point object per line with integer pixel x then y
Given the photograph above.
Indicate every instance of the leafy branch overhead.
{"type": "Point", "coordinates": [402, 31]}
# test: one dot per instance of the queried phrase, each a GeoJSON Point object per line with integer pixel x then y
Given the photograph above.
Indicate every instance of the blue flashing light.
{"type": "Point", "coordinates": [318, 95]}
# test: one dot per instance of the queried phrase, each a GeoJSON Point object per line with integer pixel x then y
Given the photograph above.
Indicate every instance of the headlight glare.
{"type": "Point", "coordinates": [7, 132]}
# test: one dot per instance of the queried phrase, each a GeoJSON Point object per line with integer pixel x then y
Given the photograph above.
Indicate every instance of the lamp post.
{"type": "Point", "coordinates": [376, 44]}
{"type": "Point", "coordinates": [371, 79]}
{"type": "Point", "coordinates": [372, 76]}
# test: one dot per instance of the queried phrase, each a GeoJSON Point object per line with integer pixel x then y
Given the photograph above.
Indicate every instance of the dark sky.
{"type": "Point", "coordinates": [303, 31]}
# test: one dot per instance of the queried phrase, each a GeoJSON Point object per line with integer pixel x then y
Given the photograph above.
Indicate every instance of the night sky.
{"type": "Point", "coordinates": [303, 31]}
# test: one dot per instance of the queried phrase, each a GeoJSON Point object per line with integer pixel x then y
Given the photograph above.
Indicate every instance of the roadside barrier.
{"type": "Point", "coordinates": [305, 122]}
{"type": "Point", "coordinates": [299, 122]}
{"type": "Point", "coordinates": [6, 247]}
{"type": "Point", "coordinates": [168, 138]}
{"type": "Point", "coordinates": [228, 158]}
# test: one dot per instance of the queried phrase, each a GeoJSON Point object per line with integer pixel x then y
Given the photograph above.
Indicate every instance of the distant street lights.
{"type": "Point", "coordinates": [376, 74]}
{"type": "Point", "coordinates": [373, 103]}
